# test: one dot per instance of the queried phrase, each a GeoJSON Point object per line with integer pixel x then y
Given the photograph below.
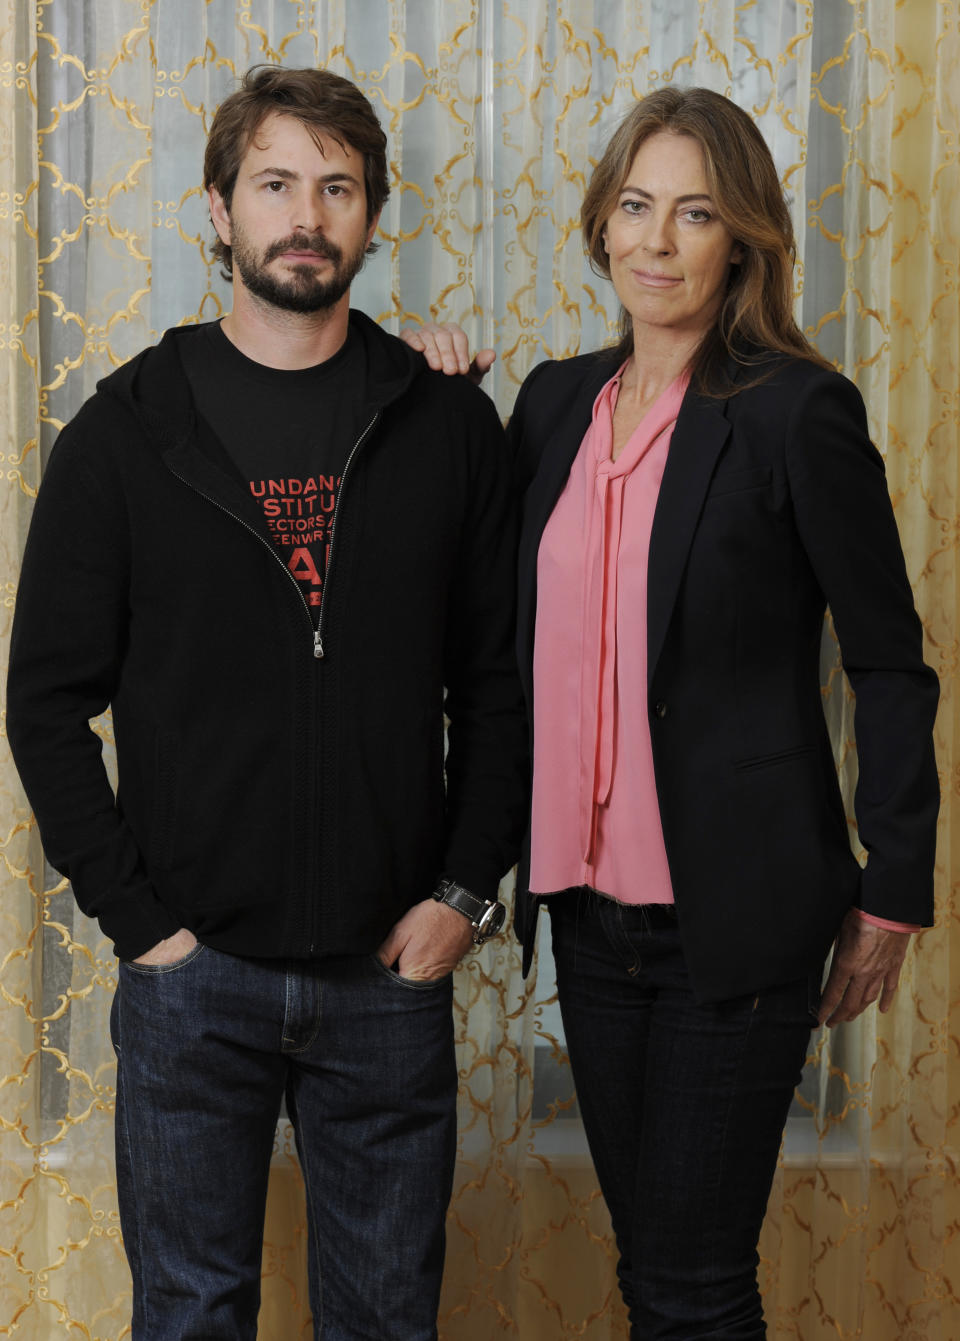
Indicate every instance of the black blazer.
{"type": "Point", "coordinates": [773, 504]}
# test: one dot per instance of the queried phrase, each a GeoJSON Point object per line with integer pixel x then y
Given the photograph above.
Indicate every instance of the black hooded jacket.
{"type": "Point", "coordinates": [281, 792]}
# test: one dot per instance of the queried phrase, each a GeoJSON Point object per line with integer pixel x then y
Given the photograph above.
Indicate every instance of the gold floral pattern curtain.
{"type": "Point", "coordinates": [494, 110]}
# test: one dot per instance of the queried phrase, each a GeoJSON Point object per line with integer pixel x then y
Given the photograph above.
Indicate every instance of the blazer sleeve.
{"type": "Point", "coordinates": [845, 519]}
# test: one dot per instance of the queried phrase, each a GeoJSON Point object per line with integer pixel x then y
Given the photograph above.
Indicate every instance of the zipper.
{"type": "Point", "coordinates": [316, 635]}
{"type": "Point", "coordinates": [227, 512]}
{"type": "Point", "coordinates": [324, 874]}
{"type": "Point", "coordinates": [318, 651]}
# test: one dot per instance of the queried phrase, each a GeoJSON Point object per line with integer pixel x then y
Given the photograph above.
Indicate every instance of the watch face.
{"type": "Point", "coordinates": [492, 921]}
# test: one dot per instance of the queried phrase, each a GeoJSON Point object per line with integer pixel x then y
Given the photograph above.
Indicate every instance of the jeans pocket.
{"type": "Point", "coordinates": [795, 1002]}
{"type": "Point", "coordinates": [415, 984]}
{"type": "Point", "coordinates": [151, 970]}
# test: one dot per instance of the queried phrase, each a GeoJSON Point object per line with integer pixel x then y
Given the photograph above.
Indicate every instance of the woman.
{"type": "Point", "coordinates": [693, 499]}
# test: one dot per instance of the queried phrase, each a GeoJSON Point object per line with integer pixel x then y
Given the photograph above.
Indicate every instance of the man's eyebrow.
{"type": "Point", "coordinates": [288, 175]}
{"type": "Point", "coordinates": [285, 173]}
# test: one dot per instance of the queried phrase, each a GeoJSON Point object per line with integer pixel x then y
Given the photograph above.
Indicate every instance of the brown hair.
{"type": "Point", "coordinates": [757, 311]}
{"type": "Point", "coordinates": [325, 103]}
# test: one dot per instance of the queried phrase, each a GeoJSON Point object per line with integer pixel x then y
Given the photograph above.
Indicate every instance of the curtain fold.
{"type": "Point", "coordinates": [494, 112]}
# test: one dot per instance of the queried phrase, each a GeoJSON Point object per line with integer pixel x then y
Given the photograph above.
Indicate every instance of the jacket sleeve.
{"type": "Point", "coordinates": [67, 646]}
{"type": "Point", "coordinates": [487, 757]}
{"type": "Point", "coordinates": [846, 522]}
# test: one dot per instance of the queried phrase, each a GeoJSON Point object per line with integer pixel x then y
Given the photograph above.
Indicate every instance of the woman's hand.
{"type": "Point", "coordinates": [866, 965]}
{"type": "Point", "coordinates": [447, 350]}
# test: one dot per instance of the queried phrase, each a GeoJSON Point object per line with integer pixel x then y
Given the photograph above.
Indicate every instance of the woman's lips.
{"type": "Point", "coordinates": [656, 281]}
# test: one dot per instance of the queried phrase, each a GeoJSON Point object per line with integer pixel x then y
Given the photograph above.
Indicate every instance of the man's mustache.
{"type": "Point", "coordinates": [302, 242]}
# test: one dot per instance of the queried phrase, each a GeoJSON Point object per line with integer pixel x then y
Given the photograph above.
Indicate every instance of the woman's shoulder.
{"type": "Point", "coordinates": [795, 370]}
{"type": "Point", "coordinates": [775, 381]}
{"type": "Point", "coordinates": [554, 403]}
{"type": "Point", "coordinates": [564, 379]}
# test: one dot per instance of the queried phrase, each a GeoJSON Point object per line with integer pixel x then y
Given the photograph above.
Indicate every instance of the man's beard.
{"type": "Point", "coordinates": [302, 288]}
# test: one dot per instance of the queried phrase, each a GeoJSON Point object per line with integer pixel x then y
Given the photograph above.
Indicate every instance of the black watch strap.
{"type": "Point", "coordinates": [485, 917]}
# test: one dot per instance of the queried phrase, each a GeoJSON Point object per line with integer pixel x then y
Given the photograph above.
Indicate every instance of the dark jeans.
{"type": "Point", "coordinates": [684, 1107]}
{"type": "Point", "coordinates": [206, 1049]}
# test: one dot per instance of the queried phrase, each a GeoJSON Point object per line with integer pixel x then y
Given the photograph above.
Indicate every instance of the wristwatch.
{"type": "Point", "coordinates": [485, 917]}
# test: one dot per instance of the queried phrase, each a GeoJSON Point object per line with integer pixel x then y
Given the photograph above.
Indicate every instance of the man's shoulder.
{"type": "Point", "coordinates": [456, 416]}
{"type": "Point", "coordinates": [148, 387]}
{"type": "Point", "coordinates": [458, 394]}
{"type": "Point", "coordinates": [400, 375]}
{"type": "Point", "coordinates": [154, 368]}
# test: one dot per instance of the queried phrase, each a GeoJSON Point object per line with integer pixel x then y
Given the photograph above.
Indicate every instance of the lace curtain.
{"type": "Point", "coordinates": [494, 111]}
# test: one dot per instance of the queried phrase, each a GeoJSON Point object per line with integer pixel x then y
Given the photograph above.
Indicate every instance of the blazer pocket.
{"type": "Point", "coordinates": [771, 760]}
{"type": "Point", "coordinates": [739, 481]}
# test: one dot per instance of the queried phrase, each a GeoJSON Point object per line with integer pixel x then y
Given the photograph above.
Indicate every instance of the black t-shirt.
{"type": "Point", "coordinates": [289, 433]}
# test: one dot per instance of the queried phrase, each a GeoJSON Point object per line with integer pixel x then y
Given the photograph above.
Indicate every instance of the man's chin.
{"type": "Point", "coordinates": [305, 296]}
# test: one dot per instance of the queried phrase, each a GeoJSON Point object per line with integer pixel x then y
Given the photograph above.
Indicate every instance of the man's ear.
{"type": "Point", "coordinates": [373, 228]}
{"type": "Point", "coordinates": [220, 216]}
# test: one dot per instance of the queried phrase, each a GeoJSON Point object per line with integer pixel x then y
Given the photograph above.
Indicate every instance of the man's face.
{"type": "Point", "coordinates": [297, 223]}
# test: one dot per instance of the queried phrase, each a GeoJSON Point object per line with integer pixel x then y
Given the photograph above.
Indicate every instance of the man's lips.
{"type": "Point", "coordinates": [299, 251]}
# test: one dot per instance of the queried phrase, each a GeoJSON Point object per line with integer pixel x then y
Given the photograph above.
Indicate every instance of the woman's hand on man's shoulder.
{"type": "Point", "coordinates": [447, 350]}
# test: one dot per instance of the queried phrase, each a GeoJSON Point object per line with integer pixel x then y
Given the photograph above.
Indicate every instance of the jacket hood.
{"type": "Point", "coordinates": [153, 387]}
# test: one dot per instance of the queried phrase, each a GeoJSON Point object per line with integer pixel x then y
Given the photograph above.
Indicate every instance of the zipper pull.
{"type": "Point", "coordinates": [318, 646]}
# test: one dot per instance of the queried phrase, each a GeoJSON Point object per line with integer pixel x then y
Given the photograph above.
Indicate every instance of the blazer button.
{"type": "Point", "coordinates": [661, 709]}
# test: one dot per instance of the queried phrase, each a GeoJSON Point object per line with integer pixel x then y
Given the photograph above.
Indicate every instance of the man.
{"type": "Point", "coordinates": [280, 547]}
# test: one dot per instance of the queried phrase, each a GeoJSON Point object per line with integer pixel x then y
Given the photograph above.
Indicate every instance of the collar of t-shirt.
{"type": "Point", "coordinates": [289, 433]}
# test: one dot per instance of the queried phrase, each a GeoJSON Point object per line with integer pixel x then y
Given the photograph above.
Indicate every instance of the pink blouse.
{"type": "Point", "coordinates": [595, 818]}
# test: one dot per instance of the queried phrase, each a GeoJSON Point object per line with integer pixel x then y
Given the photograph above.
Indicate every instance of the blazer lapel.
{"type": "Point", "coordinates": [563, 428]}
{"type": "Point", "coordinates": [699, 436]}
{"type": "Point", "coordinates": [566, 435]}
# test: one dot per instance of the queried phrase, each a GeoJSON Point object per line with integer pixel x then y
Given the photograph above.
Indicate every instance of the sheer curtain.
{"type": "Point", "coordinates": [494, 111]}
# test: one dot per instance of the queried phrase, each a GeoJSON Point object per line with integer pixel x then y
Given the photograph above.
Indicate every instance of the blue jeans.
{"type": "Point", "coordinates": [684, 1107]}
{"type": "Point", "coordinates": [206, 1049]}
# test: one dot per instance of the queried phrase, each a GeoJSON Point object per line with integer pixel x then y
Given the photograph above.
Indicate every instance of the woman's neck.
{"type": "Point", "coordinates": [659, 356]}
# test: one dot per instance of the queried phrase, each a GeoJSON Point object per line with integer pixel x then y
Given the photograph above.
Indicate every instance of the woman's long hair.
{"type": "Point", "coordinates": [756, 316]}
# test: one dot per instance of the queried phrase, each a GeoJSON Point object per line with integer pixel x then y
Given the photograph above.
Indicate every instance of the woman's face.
{"type": "Point", "coordinates": [669, 253]}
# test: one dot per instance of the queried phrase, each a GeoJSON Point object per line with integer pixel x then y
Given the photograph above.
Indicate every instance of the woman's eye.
{"type": "Point", "coordinates": [698, 216]}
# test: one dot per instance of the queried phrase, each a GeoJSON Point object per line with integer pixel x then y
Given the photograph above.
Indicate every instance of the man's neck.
{"type": "Point", "coordinates": [280, 339]}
